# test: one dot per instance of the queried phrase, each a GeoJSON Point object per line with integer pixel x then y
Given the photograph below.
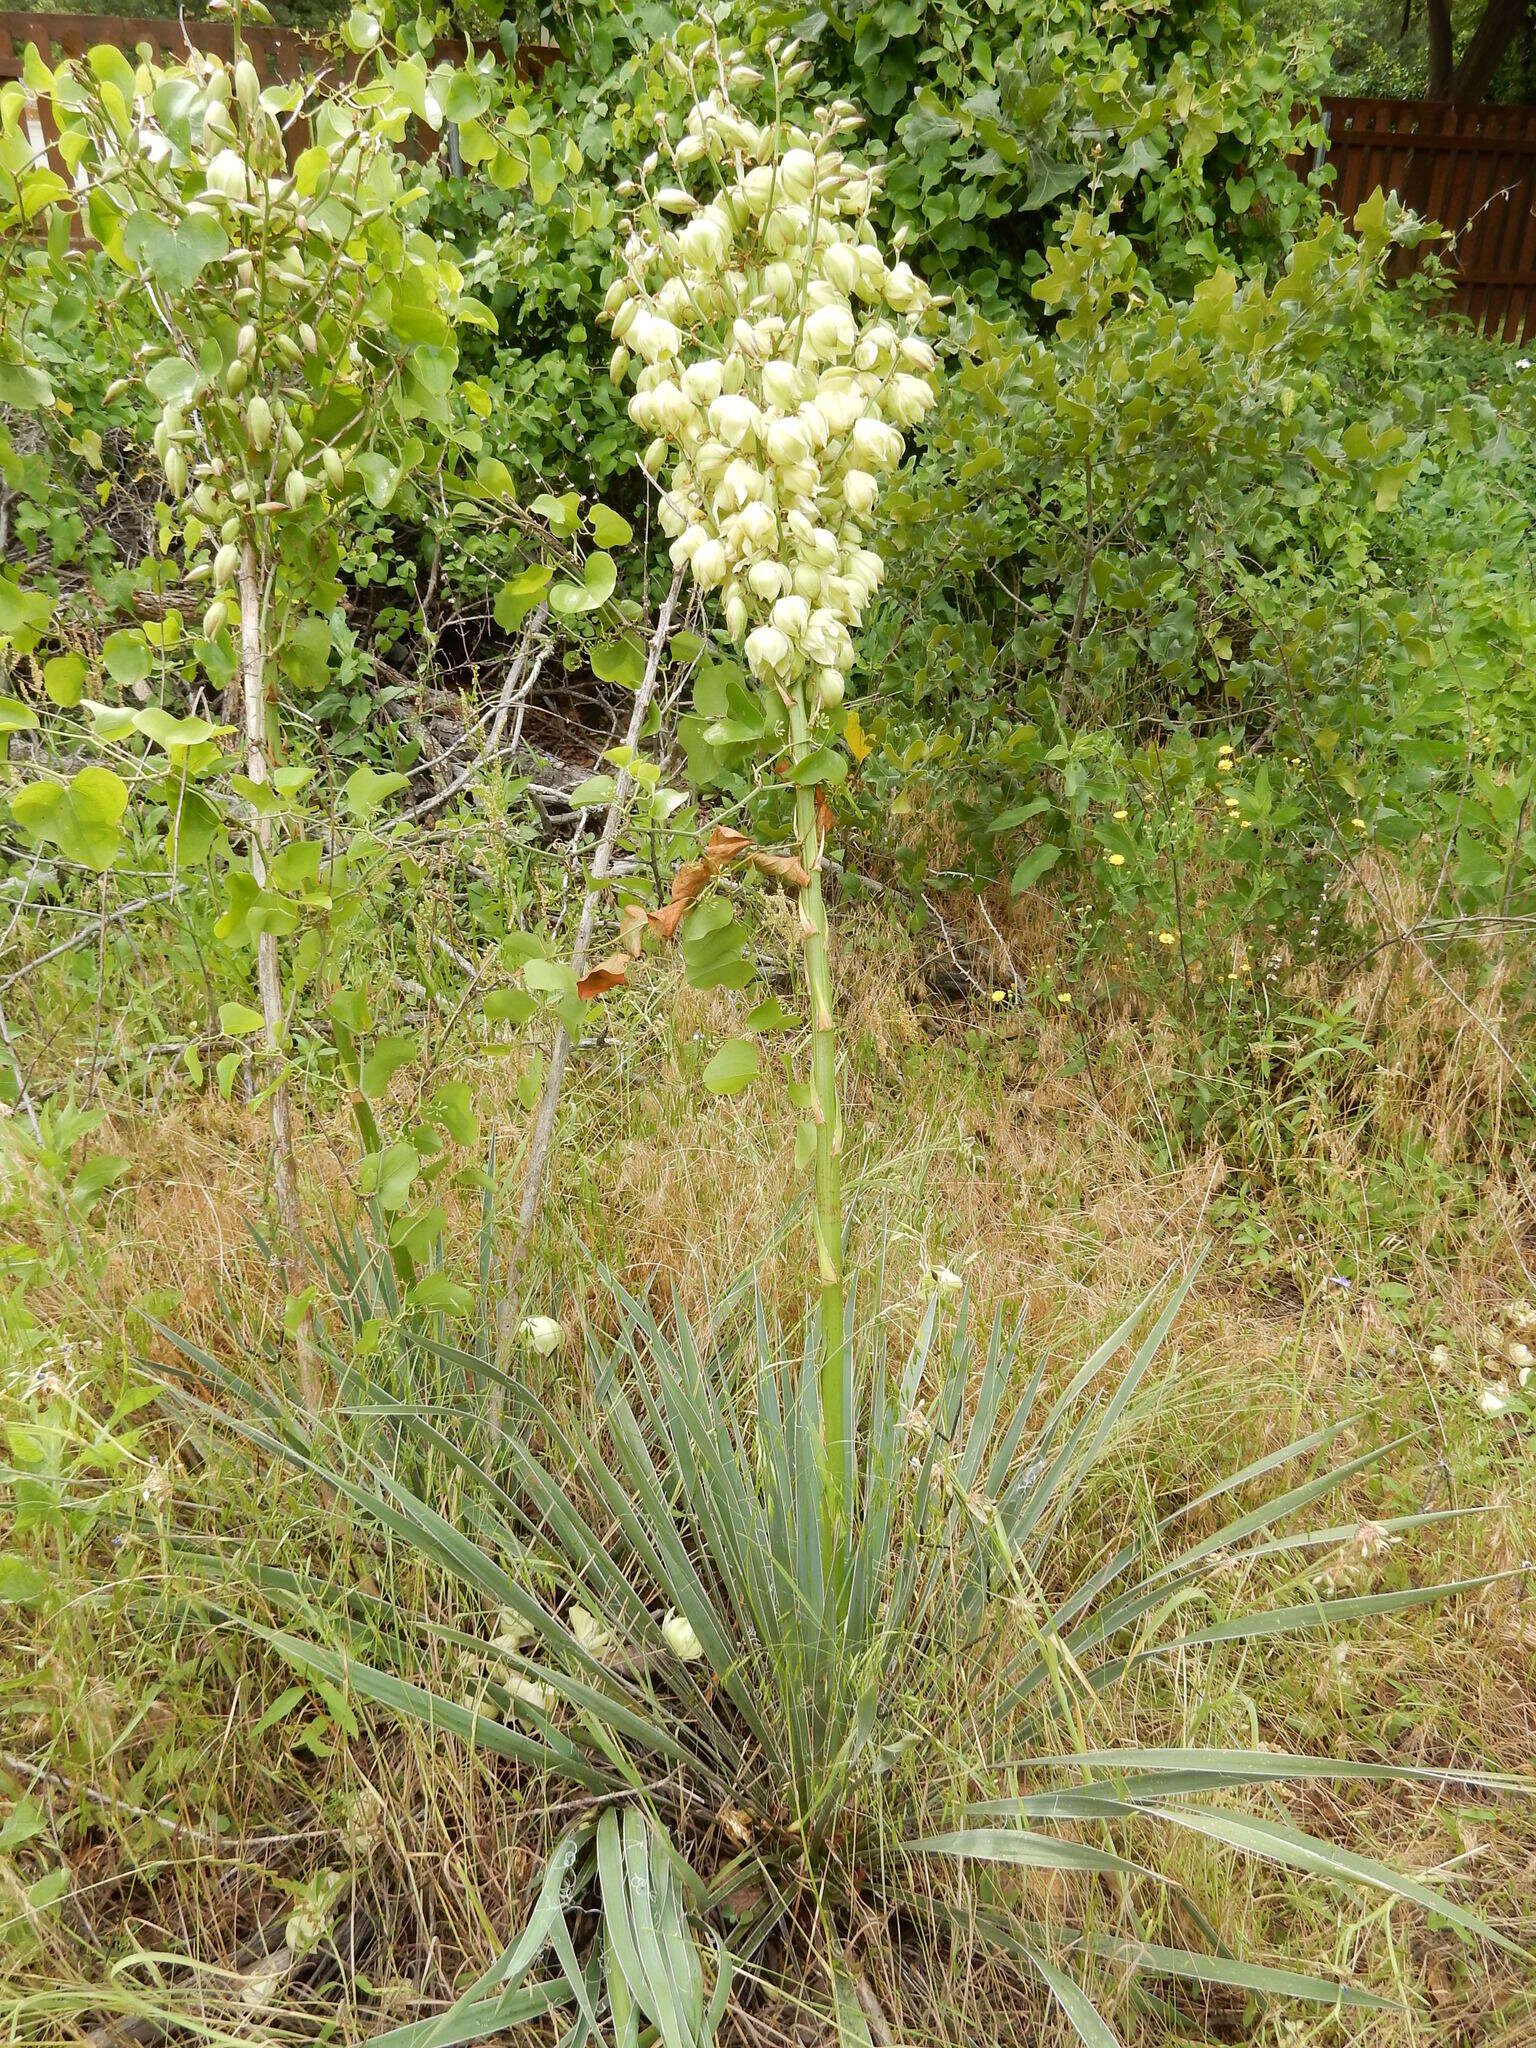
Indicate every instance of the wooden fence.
{"type": "Point", "coordinates": [1473, 169]}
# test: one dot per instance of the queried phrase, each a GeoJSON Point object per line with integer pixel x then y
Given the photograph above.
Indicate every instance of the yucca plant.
{"type": "Point", "coordinates": [754, 1640]}
{"type": "Point", "coordinates": [640, 1612]}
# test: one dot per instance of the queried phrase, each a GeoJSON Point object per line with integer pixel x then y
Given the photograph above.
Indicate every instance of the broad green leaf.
{"type": "Point", "coordinates": [365, 790]}
{"type": "Point", "coordinates": [598, 577]}
{"type": "Point", "coordinates": [21, 1582]}
{"type": "Point", "coordinates": [81, 818]}
{"type": "Point", "coordinates": [734, 1066]}
{"type": "Point", "coordinates": [239, 1020]}
{"type": "Point", "coordinates": [305, 655]}
{"type": "Point", "coordinates": [125, 655]}
{"type": "Point", "coordinates": [16, 716]}
{"type": "Point", "coordinates": [1038, 862]}
{"type": "Point", "coordinates": [64, 679]}
{"type": "Point", "coordinates": [609, 528]}
{"type": "Point", "coordinates": [173, 381]}
{"type": "Point", "coordinates": [619, 661]}
{"type": "Point", "coordinates": [386, 1059]}
{"type": "Point", "coordinates": [23, 614]}
{"type": "Point", "coordinates": [174, 253]}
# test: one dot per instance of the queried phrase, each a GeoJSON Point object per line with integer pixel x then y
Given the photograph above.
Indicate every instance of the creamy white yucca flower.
{"type": "Point", "coordinates": [777, 361]}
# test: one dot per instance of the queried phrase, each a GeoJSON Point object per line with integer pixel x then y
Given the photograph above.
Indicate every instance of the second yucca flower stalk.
{"type": "Point", "coordinates": [777, 361]}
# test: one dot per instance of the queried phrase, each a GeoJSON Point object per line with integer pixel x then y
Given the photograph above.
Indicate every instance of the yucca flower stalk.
{"type": "Point", "coordinates": [777, 359]}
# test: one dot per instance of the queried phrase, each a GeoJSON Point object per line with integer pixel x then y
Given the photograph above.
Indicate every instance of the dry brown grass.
{"type": "Point", "coordinates": [1023, 1151]}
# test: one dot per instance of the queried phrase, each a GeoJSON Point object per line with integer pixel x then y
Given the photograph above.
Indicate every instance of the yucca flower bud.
{"type": "Point", "coordinates": [708, 564]}
{"type": "Point", "coordinates": [791, 615]}
{"type": "Point", "coordinates": [910, 398]}
{"type": "Point", "coordinates": [877, 445]}
{"type": "Point", "coordinates": [767, 651]}
{"type": "Point", "coordinates": [841, 265]}
{"type": "Point", "coordinates": [702, 382]}
{"type": "Point", "coordinates": [797, 173]}
{"type": "Point", "coordinates": [830, 332]}
{"type": "Point", "coordinates": [733, 419]}
{"type": "Point", "coordinates": [786, 442]}
{"type": "Point", "coordinates": [840, 403]}
{"type": "Point", "coordinates": [781, 385]}
{"type": "Point", "coordinates": [767, 580]}
{"type": "Point", "coordinates": [902, 290]}
{"type": "Point", "coordinates": [759, 528]}
{"type": "Point", "coordinates": [860, 491]}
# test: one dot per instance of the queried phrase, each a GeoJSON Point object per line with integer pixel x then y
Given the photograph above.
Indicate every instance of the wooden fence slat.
{"type": "Point", "coordinates": [1472, 169]}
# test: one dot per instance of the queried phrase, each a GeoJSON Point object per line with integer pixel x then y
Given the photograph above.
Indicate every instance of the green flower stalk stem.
{"type": "Point", "coordinates": [827, 1214]}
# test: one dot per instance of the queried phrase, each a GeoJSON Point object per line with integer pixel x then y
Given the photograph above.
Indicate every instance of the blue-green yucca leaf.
{"type": "Point", "coordinates": [498, 1999]}
{"type": "Point", "coordinates": [1155, 1959]}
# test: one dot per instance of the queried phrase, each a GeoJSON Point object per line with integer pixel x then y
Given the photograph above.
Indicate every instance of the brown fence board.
{"type": "Point", "coordinates": [1472, 169]}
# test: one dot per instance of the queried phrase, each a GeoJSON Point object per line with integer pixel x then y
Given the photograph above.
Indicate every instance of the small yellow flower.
{"type": "Point", "coordinates": [1122, 816]}
{"type": "Point", "coordinates": [1358, 823]}
{"type": "Point", "coordinates": [1167, 938]}
{"type": "Point", "coordinates": [999, 995]}
{"type": "Point", "coordinates": [1117, 860]}
{"type": "Point", "coordinates": [1065, 1001]}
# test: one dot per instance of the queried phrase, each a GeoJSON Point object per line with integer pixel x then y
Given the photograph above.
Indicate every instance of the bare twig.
{"type": "Point", "coordinates": [544, 1128]}
{"type": "Point", "coordinates": [519, 683]}
{"type": "Point", "coordinates": [268, 972]}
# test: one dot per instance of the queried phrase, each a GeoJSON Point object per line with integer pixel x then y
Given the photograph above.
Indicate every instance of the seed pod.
{"type": "Point", "coordinates": [215, 618]}
{"type": "Point", "coordinates": [618, 364]}
{"type": "Point", "coordinates": [175, 472]}
{"type": "Point", "coordinates": [205, 501]}
{"type": "Point", "coordinates": [225, 563]}
{"type": "Point", "coordinates": [293, 440]}
{"type": "Point", "coordinates": [289, 348]}
{"type": "Point", "coordinates": [217, 126]}
{"type": "Point", "coordinates": [258, 422]}
{"type": "Point", "coordinates": [230, 530]}
{"type": "Point", "coordinates": [296, 490]}
{"type": "Point", "coordinates": [235, 377]}
{"type": "Point", "coordinates": [308, 339]}
{"type": "Point", "coordinates": [217, 87]}
{"type": "Point", "coordinates": [245, 341]}
{"type": "Point", "coordinates": [335, 469]}
{"type": "Point", "coordinates": [161, 439]}
{"type": "Point", "coordinates": [248, 88]}
{"type": "Point", "coordinates": [116, 389]}
{"type": "Point", "coordinates": [830, 686]}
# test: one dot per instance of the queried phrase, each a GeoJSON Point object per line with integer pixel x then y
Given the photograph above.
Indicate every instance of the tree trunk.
{"type": "Point", "coordinates": [827, 1213]}
{"type": "Point", "coordinates": [1440, 48]}
{"type": "Point", "coordinates": [269, 981]}
{"type": "Point", "coordinates": [1501, 22]}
